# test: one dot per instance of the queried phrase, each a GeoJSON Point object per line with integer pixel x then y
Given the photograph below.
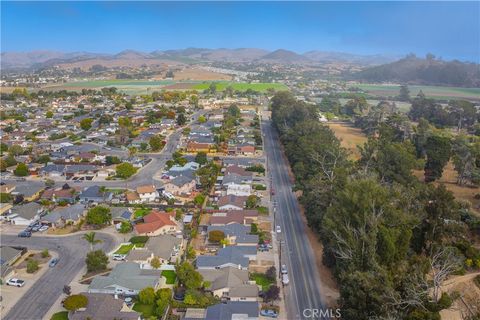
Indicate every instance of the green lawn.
{"type": "Point", "coordinates": [242, 86]}
{"type": "Point", "coordinates": [170, 275]}
{"type": "Point", "coordinates": [261, 280]}
{"type": "Point", "coordinates": [124, 249]}
{"type": "Point", "coordinates": [147, 310]}
{"type": "Point", "coordinates": [437, 92]}
{"type": "Point", "coordinates": [62, 315]}
{"type": "Point", "coordinates": [141, 212]}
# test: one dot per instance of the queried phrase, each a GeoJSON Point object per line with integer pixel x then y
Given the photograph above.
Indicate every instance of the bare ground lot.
{"type": "Point", "coordinates": [200, 74]}
{"type": "Point", "coordinates": [349, 136]}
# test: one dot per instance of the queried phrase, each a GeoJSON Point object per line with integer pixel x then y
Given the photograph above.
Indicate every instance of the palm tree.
{"type": "Point", "coordinates": [90, 237]}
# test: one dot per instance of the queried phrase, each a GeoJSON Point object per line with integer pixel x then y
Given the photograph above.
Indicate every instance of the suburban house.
{"type": "Point", "coordinates": [181, 185]}
{"type": "Point", "coordinates": [105, 307]}
{"type": "Point", "coordinates": [126, 278]}
{"type": "Point", "coordinates": [231, 202]}
{"type": "Point", "coordinates": [232, 310]}
{"type": "Point", "coordinates": [231, 256]}
{"type": "Point", "coordinates": [25, 214]}
{"type": "Point", "coordinates": [167, 248]}
{"type": "Point", "coordinates": [61, 217]}
{"type": "Point", "coordinates": [156, 223]}
{"type": "Point", "coordinates": [63, 194]}
{"type": "Point", "coordinates": [95, 194]}
{"type": "Point", "coordinates": [239, 190]}
{"type": "Point", "coordinates": [147, 193]}
{"type": "Point", "coordinates": [227, 281]}
{"type": "Point", "coordinates": [8, 256]}
{"type": "Point", "coordinates": [246, 217]}
{"type": "Point", "coordinates": [120, 214]}
{"type": "Point", "coordinates": [29, 192]}
{"type": "Point", "coordinates": [7, 188]}
{"type": "Point", "coordinates": [188, 166]}
{"type": "Point", "coordinates": [236, 234]}
{"type": "Point", "coordinates": [193, 146]}
{"type": "Point", "coordinates": [133, 197]}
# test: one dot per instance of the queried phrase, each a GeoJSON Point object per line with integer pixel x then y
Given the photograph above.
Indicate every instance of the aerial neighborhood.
{"type": "Point", "coordinates": [179, 183]}
{"type": "Point", "coordinates": [302, 160]}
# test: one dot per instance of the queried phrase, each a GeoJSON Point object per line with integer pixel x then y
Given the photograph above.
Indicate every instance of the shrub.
{"type": "Point", "coordinates": [75, 302]}
{"type": "Point", "coordinates": [45, 253]}
{"type": "Point", "coordinates": [96, 261]}
{"type": "Point", "coordinates": [216, 236]}
{"type": "Point", "coordinates": [32, 266]}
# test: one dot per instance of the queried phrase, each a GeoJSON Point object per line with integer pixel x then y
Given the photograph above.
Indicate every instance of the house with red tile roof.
{"type": "Point", "coordinates": [156, 223]}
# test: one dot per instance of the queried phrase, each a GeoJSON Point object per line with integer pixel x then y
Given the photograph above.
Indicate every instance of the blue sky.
{"type": "Point", "coordinates": [447, 29]}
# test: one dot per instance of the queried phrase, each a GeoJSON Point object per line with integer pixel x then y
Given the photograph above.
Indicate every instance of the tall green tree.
{"type": "Point", "coordinates": [438, 150]}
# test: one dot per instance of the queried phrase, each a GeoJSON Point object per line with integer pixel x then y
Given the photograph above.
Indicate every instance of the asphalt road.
{"type": "Point", "coordinates": [72, 250]}
{"type": "Point", "coordinates": [303, 291]}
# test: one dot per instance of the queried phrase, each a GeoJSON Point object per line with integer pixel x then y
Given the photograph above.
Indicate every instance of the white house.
{"type": "Point", "coordinates": [147, 193]}
{"type": "Point", "coordinates": [239, 190]}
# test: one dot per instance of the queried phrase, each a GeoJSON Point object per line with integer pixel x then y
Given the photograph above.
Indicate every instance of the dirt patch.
{"type": "Point", "coordinates": [468, 302]}
{"type": "Point", "coordinates": [199, 74]}
{"type": "Point", "coordinates": [179, 86]}
{"type": "Point", "coordinates": [350, 137]}
{"type": "Point", "coordinates": [449, 180]}
{"type": "Point", "coordinates": [33, 255]}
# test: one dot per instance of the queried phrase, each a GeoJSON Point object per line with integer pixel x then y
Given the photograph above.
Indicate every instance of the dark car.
{"type": "Point", "coordinates": [25, 234]}
{"type": "Point", "coordinates": [53, 262]}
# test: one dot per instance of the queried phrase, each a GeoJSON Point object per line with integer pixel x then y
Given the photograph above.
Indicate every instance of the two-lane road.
{"type": "Point", "coordinates": [303, 292]}
{"type": "Point", "coordinates": [72, 250]}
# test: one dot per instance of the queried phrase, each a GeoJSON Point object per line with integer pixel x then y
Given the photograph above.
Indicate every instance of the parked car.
{"type": "Point", "coordinates": [263, 248]}
{"type": "Point", "coordinates": [285, 279]}
{"type": "Point", "coordinates": [284, 269]}
{"type": "Point", "coordinates": [269, 313]}
{"type": "Point", "coordinates": [15, 282]}
{"type": "Point", "coordinates": [118, 257]}
{"type": "Point", "coordinates": [279, 230]}
{"type": "Point", "coordinates": [36, 227]}
{"type": "Point", "coordinates": [25, 234]}
{"type": "Point", "coordinates": [53, 262]}
{"type": "Point", "coordinates": [43, 228]}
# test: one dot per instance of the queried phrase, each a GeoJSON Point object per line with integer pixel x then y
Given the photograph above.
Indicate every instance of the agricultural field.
{"type": "Point", "coordinates": [242, 86]}
{"type": "Point", "coordinates": [146, 87]}
{"type": "Point", "coordinates": [436, 92]}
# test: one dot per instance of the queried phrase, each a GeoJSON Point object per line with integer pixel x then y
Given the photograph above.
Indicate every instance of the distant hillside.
{"type": "Point", "coordinates": [284, 56]}
{"type": "Point", "coordinates": [328, 56]}
{"type": "Point", "coordinates": [413, 70]}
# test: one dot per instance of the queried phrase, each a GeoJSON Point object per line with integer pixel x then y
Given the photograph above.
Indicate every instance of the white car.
{"type": "Point", "coordinates": [15, 282]}
{"type": "Point", "coordinates": [284, 269]}
{"type": "Point", "coordinates": [279, 230]}
{"type": "Point", "coordinates": [43, 228]}
{"type": "Point", "coordinates": [118, 257]}
{"type": "Point", "coordinates": [285, 279]}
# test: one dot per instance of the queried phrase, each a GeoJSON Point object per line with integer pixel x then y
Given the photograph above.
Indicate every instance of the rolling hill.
{"type": "Point", "coordinates": [413, 70]}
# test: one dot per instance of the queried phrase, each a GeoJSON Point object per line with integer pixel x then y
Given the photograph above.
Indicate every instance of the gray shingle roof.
{"type": "Point", "coordinates": [236, 255]}
{"type": "Point", "coordinates": [226, 310]}
{"type": "Point", "coordinates": [127, 275]}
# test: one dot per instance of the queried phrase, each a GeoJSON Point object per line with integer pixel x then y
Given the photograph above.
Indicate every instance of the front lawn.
{"type": "Point", "coordinates": [62, 315]}
{"type": "Point", "coordinates": [124, 249]}
{"type": "Point", "coordinates": [170, 275]}
{"type": "Point", "coordinates": [263, 211]}
{"type": "Point", "coordinates": [261, 280]}
{"type": "Point", "coordinates": [141, 212]}
{"type": "Point", "coordinates": [147, 310]}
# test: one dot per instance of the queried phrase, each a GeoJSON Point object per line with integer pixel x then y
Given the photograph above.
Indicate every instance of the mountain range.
{"type": "Point", "coordinates": [37, 59]}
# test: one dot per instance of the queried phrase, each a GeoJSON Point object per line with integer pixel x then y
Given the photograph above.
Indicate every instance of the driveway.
{"type": "Point", "coordinates": [36, 302]}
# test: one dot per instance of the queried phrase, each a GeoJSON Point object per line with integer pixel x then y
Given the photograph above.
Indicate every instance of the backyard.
{"type": "Point", "coordinates": [170, 275]}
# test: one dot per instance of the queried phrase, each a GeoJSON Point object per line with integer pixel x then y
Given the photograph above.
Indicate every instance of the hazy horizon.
{"type": "Point", "coordinates": [361, 28]}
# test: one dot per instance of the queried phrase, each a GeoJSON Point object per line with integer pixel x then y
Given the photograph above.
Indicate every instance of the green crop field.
{"type": "Point", "coordinates": [437, 92]}
{"type": "Point", "coordinates": [242, 86]}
